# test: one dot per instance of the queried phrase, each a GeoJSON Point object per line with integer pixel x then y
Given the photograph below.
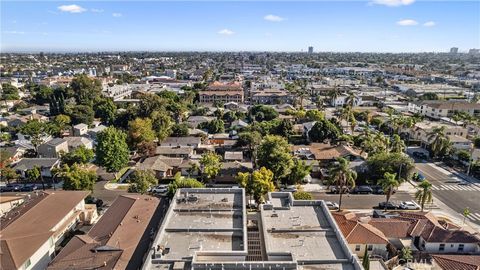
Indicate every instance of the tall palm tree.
{"type": "Point", "coordinates": [389, 183]}
{"type": "Point", "coordinates": [424, 193]}
{"type": "Point", "coordinates": [350, 100]}
{"type": "Point", "coordinates": [342, 176]}
{"type": "Point", "coordinates": [334, 95]}
{"type": "Point", "coordinates": [301, 90]}
{"type": "Point", "coordinates": [439, 142]}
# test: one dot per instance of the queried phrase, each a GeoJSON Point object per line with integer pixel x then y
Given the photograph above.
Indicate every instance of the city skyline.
{"type": "Point", "coordinates": [379, 26]}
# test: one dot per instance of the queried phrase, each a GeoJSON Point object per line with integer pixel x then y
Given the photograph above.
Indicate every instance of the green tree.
{"type": "Point", "coordinates": [379, 164]}
{"type": "Point", "coordinates": [36, 130]}
{"type": "Point", "coordinates": [397, 145]}
{"type": "Point", "coordinates": [324, 130]}
{"type": "Point", "coordinates": [244, 180]}
{"type": "Point", "coordinates": [210, 165]}
{"type": "Point", "coordinates": [42, 94]}
{"type": "Point", "coordinates": [33, 174]}
{"type": "Point", "coordinates": [366, 259]}
{"type": "Point", "coordinates": [274, 154]}
{"type": "Point", "coordinates": [262, 113]}
{"type": "Point", "coordinates": [406, 254]}
{"type": "Point", "coordinates": [106, 110]}
{"type": "Point", "coordinates": [112, 149]}
{"type": "Point", "coordinates": [439, 142]}
{"type": "Point", "coordinates": [476, 142]}
{"type": "Point", "coordinates": [141, 181]}
{"type": "Point", "coordinates": [302, 195]}
{"type": "Point", "coordinates": [180, 130]}
{"type": "Point", "coordinates": [9, 92]}
{"type": "Point", "coordinates": [182, 182]}
{"type": "Point", "coordinates": [464, 155]}
{"type": "Point", "coordinates": [424, 193]}
{"type": "Point", "coordinates": [76, 177]}
{"type": "Point", "coordinates": [315, 115]}
{"type": "Point", "coordinates": [284, 128]}
{"type": "Point", "coordinates": [85, 90]}
{"type": "Point", "coordinates": [80, 155]}
{"type": "Point", "coordinates": [342, 176]}
{"type": "Point", "coordinates": [251, 140]}
{"type": "Point", "coordinates": [8, 174]}
{"type": "Point", "coordinates": [298, 172]}
{"type": "Point", "coordinates": [162, 124]}
{"type": "Point", "coordinates": [214, 126]}
{"type": "Point", "coordinates": [59, 124]}
{"type": "Point", "coordinates": [388, 183]}
{"type": "Point", "coordinates": [80, 114]}
{"type": "Point", "coordinates": [262, 183]}
{"type": "Point", "coordinates": [466, 212]}
{"type": "Point", "coordinates": [150, 103]}
{"type": "Point", "coordinates": [140, 131]}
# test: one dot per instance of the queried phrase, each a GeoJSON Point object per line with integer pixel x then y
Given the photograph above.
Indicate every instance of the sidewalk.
{"type": "Point", "coordinates": [448, 170]}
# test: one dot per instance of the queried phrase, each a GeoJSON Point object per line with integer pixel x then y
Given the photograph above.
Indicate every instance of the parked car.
{"type": "Point", "coordinates": [336, 189]}
{"type": "Point", "coordinates": [159, 189]}
{"type": "Point", "coordinates": [10, 188]}
{"type": "Point", "coordinates": [418, 177]}
{"type": "Point", "coordinates": [390, 205]}
{"type": "Point", "coordinates": [420, 155]}
{"type": "Point", "coordinates": [410, 205]}
{"type": "Point", "coordinates": [29, 188]}
{"type": "Point", "coordinates": [362, 190]}
{"type": "Point", "coordinates": [331, 205]}
{"type": "Point", "coordinates": [378, 190]}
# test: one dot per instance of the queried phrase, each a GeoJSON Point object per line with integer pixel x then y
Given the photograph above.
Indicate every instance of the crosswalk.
{"type": "Point", "coordinates": [474, 216]}
{"type": "Point", "coordinates": [457, 187]}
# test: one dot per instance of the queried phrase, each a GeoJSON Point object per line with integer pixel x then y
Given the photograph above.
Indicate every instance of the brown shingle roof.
{"type": "Point", "coordinates": [458, 262]}
{"type": "Point", "coordinates": [119, 232]}
{"type": "Point", "coordinates": [23, 237]}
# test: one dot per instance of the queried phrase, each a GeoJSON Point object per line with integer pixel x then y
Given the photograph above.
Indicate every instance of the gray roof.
{"type": "Point", "coordinates": [30, 163]}
{"type": "Point", "coordinates": [55, 141]}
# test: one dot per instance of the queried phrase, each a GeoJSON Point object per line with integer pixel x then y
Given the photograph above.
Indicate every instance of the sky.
{"type": "Point", "coordinates": [339, 26]}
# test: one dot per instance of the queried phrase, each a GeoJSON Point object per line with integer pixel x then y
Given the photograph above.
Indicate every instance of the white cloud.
{"type": "Point", "coordinates": [116, 15]}
{"type": "Point", "coordinates": [96, 10]}
{"type": "Point", "coordinates": [226, 32]}
{"type": "Point", "coordinates": [429, 24]}
{"type": "Point", "coordinates": [72, 8]}
{"type": "Point", "coordinates": [13, 32]}
{"type": "Point", "coordinates": [393, 3]}
{"type": "Point", "coordinates": [273, 18]}
{"type": "Point", "coordinates": [407, 22]}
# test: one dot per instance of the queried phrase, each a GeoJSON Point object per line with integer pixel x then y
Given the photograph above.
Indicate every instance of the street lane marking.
{"type": "Point", "coordinates": [477, 214]}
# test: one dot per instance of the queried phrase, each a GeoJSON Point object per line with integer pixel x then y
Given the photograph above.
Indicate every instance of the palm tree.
{"type": "Point", "coordinates": [389, 183]}
{"type": "Point", "coordinates": [334, 95]}
{"type": "Point", "coordinates": [350, 100]}
{"type": "Point", "coordinates": [424, 193]}
{"type": "Point", "coordinates": [397, 145]}
{"type": "Point", "coordinates": [301, 90]}
{"type": "Point", "coordinates": [342, 176]}
{"type": "Point", "coordinates": [440, 143]}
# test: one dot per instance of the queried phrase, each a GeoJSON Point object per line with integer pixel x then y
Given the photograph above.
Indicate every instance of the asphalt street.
{"type": "Point", "coordinates": [452, 190]}
{"type": "Point", "coordinates": [362, 201]}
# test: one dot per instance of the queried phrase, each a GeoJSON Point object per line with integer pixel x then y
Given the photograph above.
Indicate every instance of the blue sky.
{"type": "Point", "coordinates": [377, 26]}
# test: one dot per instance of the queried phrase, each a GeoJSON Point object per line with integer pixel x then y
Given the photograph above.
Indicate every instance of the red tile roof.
{"type": "Point", "coordinates": [457, 262]}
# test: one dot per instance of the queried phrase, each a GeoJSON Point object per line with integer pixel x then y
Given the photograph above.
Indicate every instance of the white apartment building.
{"type": "Point", "coordinates": [437, 109]}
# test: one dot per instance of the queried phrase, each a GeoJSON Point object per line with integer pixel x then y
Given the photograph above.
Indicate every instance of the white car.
{"type": "Point", "coordinates": [331, 205]}
{"type": "Point", "coordinates": [411, 205]}
{"type": "Point", "coordinates": [159, 189]}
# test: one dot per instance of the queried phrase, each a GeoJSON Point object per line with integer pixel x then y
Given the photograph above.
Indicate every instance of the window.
{"type": "Point", "coordinates": [27, 264]}
{"type": "Point", "coordinates": [460, 247]}
{"type": "Point", "coordinates": [370, 247]}
{"type": "Point", "coordinates": [441, 247]}
{"type": "Point", "coordinates": [357, 248]}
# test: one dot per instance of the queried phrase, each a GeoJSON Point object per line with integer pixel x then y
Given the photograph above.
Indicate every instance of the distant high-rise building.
{"type": "Point", "coordinates": [310, 49]}
{"type": "Point", "coordinates": [474, 51]}
{"type": "Point", "coordinates": [454, 50]}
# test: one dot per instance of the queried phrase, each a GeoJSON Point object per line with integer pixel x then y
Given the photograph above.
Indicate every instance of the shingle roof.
{"type": "Point", "coordinates": [23, 237]}
{"type": "Point", "coordinates": [117, 233]}
{"type": "Point", "coordinates": [29, 163]}
{"type": "Point", "coordinates": [458, 262]}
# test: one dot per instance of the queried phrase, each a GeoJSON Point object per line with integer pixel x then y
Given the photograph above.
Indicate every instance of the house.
{"type": "Point", "coordinates": [54, 148]}
{"type": "Point", "coordinates": [230, 170]}
{"type": "Point", "coordinates": [31, 235]}
{"type": "Point", "coordinates": [80, 129]}
{"type": "Point", "coordinates": [421, 131]}
{"type": "Point", "coordinates": [326, 153]}
{"type": "Point", "coordinates": [190, 168]}
{"type": "Point", "coordinates": [176, 151]}
{"type": "Point", "coordinates": [46, 165]}
{"type": "Point", "coordinates": [92, 133]}
{"type": "Point", "coordinates": [457, 262]}
{"type": "Point", "coordinates": [460, 143]}
{"type": "Point", "coordinates": [233, 155]}
{"type": "Point", "coordinates": [222, 92]}
{"type": "Point", "coordinates": [75, 142]}
{"type": "Point", "coordinates": [182, 141]}
{"type": "Point", "coordinates": [117, 241]}
{"type": "Point", "coordinates": [194, 121]}
{"type": "Point", "coordinates": [431, 236]}
{"type": "Point", "coordinates": [360, 235]}
{"type": "Point", "coordinates": [162, 166]}
{"type": "Point", "coordinates": [270, 96]}
{"type": "Point", "coordinates": [238, 124]}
